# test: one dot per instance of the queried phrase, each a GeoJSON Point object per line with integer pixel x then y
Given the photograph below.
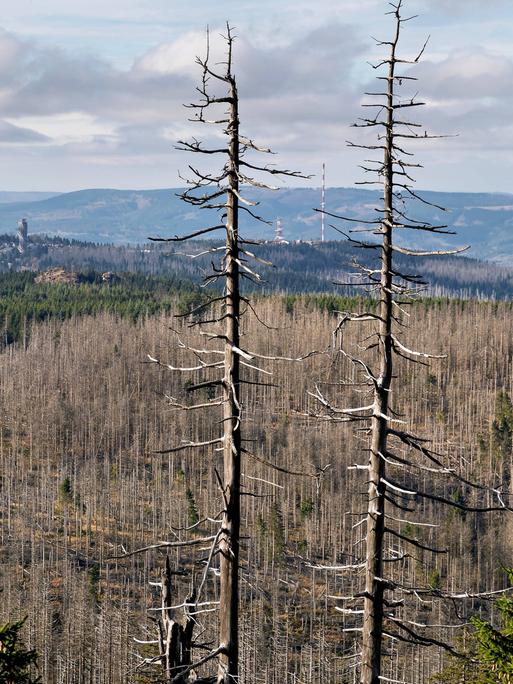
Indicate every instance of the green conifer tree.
{"type": "Point", "coordinates": [16, 662]}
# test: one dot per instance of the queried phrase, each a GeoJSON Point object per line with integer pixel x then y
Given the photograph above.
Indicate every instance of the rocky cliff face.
{"type": "Point", "coordinates": [57, 275]}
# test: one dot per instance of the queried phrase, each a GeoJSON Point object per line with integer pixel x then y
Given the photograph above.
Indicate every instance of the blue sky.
{"type": "Point", "coordinates": [91, 93]}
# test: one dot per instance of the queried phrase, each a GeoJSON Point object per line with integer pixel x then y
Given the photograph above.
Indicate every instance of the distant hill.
{"type": "Point", "coordinates": [483, 220]}
{"type": "Point", "coordinates": [6, 196]}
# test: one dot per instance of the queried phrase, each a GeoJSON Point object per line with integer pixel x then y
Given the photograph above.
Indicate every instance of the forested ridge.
{"type": "Point", "coordinates": [130, 295]}
{"type": "Point", "coordinates": [133, 296]}
{"type": "Point", "coordinates": [83, 417]}
{"type": "Point", "coordinates": [297, 267]}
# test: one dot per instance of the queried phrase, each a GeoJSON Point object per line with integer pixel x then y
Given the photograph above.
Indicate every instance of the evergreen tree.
{"type": "Point", "coordinates": [495, 646]}
{"type": "Point", "coordinates": [489, 650]}
{"type": "Point", "coordinates": [16, 662]}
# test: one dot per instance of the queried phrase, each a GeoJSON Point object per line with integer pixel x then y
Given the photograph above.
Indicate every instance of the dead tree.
{"type": "Point", "coordinates": [390, 446]}
{"type": "Point", "coordinates": [221, 192]}
{"type": "Point", "coordinates": [174, 638]}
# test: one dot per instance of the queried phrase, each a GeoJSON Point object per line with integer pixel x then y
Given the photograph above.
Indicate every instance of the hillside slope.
{"type": "Point", "coordinates": [482, 220]}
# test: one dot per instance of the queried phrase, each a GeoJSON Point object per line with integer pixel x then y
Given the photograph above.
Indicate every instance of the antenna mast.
{"type": "Point", "coordinates": [323, 200]}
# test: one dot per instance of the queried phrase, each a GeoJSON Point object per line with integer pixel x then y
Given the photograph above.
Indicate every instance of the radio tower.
{"type": "Point", "coordinates": [323, 201]}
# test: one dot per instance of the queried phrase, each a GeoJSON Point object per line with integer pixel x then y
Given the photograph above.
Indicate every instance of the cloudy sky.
{"type": "Point", "coordinates": [92, 92]}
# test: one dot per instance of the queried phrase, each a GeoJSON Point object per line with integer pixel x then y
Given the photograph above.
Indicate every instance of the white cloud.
{"type": "Point", "coordinates": [300, 90]}
{"type": "Point", "coordinates": [12, 134]}
{"type": "Point", "coordinates": [178, 56]}
{"type": "Point", "coordinates": [467, 74]}
{"type": "Point", "coordinates": [458, 6]}
{"type": "Point", "coordinates": [67, 127]}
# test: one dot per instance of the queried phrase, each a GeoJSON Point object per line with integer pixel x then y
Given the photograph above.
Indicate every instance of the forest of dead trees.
{"type": "Point", "coordinates": [82, 416]}
{"type": "Point", "coordinates": [299, 525]}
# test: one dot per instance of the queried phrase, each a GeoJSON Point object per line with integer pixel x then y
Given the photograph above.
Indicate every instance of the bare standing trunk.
{"type": "Point", "coordinates": [175, 638]}
{"type": "Point", "coordinates": [229, 539]}
{"type": "Point", "coordinates": [222, 194]}
{"type": "Point", "coordinates": [383, 592]}
{"type": "Point", "coordinates": [374, 582]}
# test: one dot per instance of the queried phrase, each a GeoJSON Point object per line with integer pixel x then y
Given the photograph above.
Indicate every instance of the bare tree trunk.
{"type": "Point", "coordinates": [223, 195]}
{"type": "Point", "coordinates": [374, 581]}
{"type": "Point", "coordinates": [229, 540]}
{"type": "Point", "coordinates": [175, 639]}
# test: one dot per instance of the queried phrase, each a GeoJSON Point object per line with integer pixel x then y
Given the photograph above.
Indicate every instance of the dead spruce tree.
{"type": "Point", "coordinates": [174, 639]}
{"type": "Point", "coordinates": [380, 598]}
{"type": "Point", "coordinates": [220, 192]}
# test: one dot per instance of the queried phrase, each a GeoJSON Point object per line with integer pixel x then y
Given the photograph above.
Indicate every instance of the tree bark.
{"type": "Point", "coordinates": [229, 540]}
{"type": "Point", "coordinates": [374, 581]}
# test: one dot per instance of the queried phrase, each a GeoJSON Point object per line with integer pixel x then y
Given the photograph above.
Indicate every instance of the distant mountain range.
{"type": "Point", "coordinates": [482, 220]}
{"type": "Point", "coordinates": [6, 196]}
